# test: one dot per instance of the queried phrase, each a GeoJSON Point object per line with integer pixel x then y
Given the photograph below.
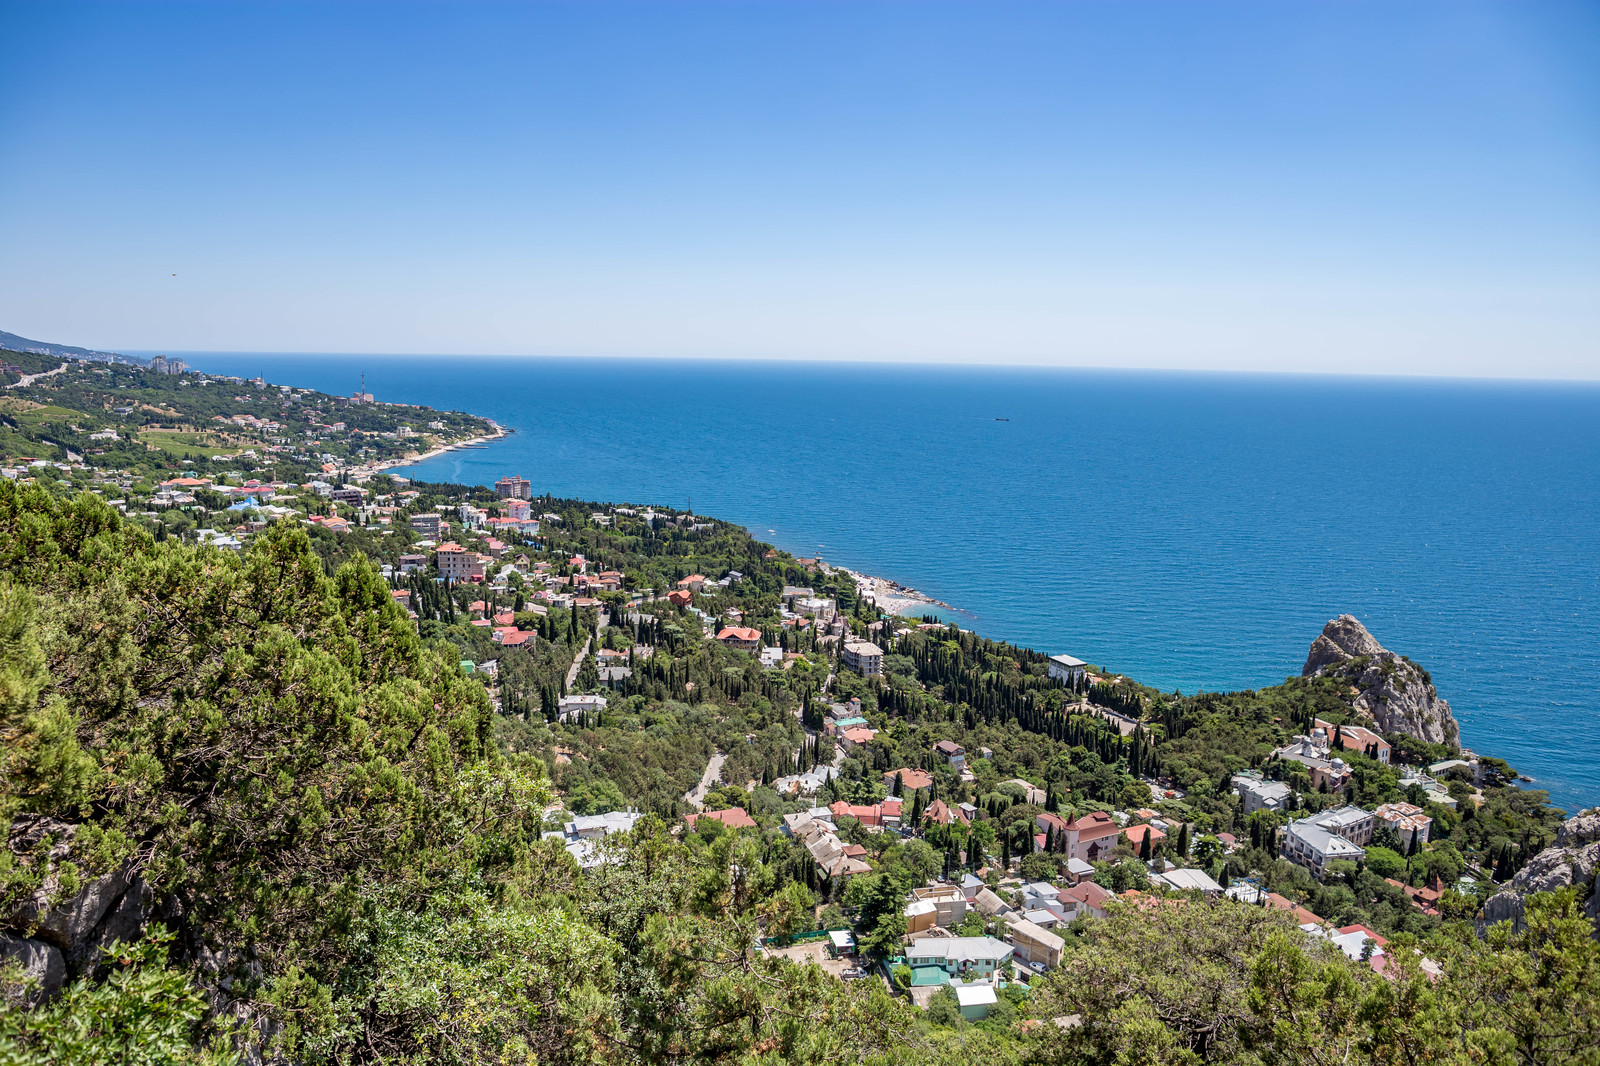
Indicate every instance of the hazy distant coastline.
{"type": "Point", "coordinates": [1189, 529]}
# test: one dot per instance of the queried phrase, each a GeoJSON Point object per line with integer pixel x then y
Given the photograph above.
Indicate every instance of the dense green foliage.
{"type": "Point", "coordinates": [162, 419]}
{"type": "Point", "coordinates": [345, 839]}
{"type": "Point", "coordinates": [1191, 982]}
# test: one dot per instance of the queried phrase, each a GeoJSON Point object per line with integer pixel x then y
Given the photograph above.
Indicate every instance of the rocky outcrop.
{"type": "Point", "coordinates": [42, 966]}
{"type": "Point", "coordinates": [1397, 694]}
{"type": "Point", "coordinates": [1574, 859]}
{"type": "Point", "coordinates": [1342, 639]}
{"type": "Point", "coordinates": [58, 931]}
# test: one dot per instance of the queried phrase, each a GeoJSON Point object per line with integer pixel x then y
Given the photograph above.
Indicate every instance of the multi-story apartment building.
{"type": "Point", "coordinates": [514, 488]}
{"type": "Point", "coordinates": [864, 658]}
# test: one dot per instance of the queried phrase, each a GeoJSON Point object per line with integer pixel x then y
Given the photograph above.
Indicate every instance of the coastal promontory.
{"type": "Point", "coordinates": [1394, 691]}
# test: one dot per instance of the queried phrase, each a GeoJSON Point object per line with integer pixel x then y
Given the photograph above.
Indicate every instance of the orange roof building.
{"type": "Point", "coordinates": [1137, 833]}
{"type": "Point", "coordinates": [911, 779]}
{"type": "Point", "coordinates": [733, 818]}
{"type": "Point", "coordinates": [741, 637]}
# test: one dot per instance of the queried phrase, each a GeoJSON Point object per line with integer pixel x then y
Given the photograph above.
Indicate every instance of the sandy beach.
{"type": "Point", "coordinates": [891, 596]}
{"type": "Point", "coordinates": [390, 464]}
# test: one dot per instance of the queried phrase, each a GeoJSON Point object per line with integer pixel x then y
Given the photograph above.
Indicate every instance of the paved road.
{"type": "Point", "coordinates": [696, 796]}
{"type": "Point", "coordinates": [1124, 725]}
{"type": "Point", "coordinates": [29, 379]}
{"type": "Point", "coordinates": [577, 661]}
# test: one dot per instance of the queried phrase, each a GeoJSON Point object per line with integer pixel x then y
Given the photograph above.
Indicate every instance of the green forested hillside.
{"type": "Point", "coordinates": [302, 827]}
{"type": "Point", "coordinates": [127, 417]}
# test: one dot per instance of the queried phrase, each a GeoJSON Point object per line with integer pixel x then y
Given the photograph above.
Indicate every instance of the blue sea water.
{"type": "Point", "coordinates": [1191, 530]}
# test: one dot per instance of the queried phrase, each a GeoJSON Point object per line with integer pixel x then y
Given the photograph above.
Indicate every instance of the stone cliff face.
{"type": "Point", "coordinates": [1574, 859]}
{"type": "Point", "coordinates": [1396, 693]}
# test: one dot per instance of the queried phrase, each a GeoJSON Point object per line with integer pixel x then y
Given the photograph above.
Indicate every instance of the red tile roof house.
{"type": "Point", "coordinates": [911, 779]}
{"type": "Point", "coordinates": [1092, 837]}
{"type": "Point", "coordinates": [1301, 915]}
{"type": "Point", "coordinates": [1425, 900]}
{"type": "Point", "coordinates": [693, 582]}
{"type": "Point", "coordinates": [741, 637]}
{"type": "Point", "coordinates": [680, 597]}
{"type": "Point", "coordinates": [1044, 821]}
{"type": "Point", "coordinates": [858, 734]}
{"type": "Point", "coordinates": [1137, 833]}
{"type": "Point", "coordinates": [941, 813]}
{"type": "Point", "coordinates": [511, 637]}
{"type": "Point", "coordinates": [1357, 738]}
{"type": "Point", "coordinates": [733, 818]}
{"type": "Point", "coordinates": [883, 813]}
{"type": "Point", "coordinates": [1084, 899]}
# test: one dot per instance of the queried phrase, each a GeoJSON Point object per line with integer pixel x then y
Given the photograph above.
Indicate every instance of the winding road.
{"type": "Point", "coordinates": [29, 379]}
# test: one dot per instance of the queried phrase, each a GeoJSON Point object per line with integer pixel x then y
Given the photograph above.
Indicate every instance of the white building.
{"type": "Point", "coordinates": [584, 832]}
{"type": "Point", "coordinates": [1067, 669]}
{"type": "Point", "coordinates": [594, 826]}
{"type": "Point", "coordinates": [575, 705]}
{"type": "Point", "coordinates": [806, 784]}
{"type": "Point", "coordinates": [815, 606]}
{"type": "Point", "coordinates": [1311, 845]}
{"type": "Point", "coordinates": [968, 957]}
{"type": "Point", "coordinates": [1352, 823]}
{"type": "Point", "coordinates": [1189, 881]}
{"type": "Point", "coordinates": [1261, 795]}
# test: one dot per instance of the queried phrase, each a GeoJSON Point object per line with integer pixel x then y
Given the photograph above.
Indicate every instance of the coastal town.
{"type": "Point", "coordinates": [954, 813]}
{"type": "Point", "coordinates": [795, 534]}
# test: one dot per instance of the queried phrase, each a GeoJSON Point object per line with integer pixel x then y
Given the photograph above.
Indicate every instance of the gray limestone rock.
{"type": "Point", "coordinates": [1397, 694]}
{"type": "Point", "coordinates": [1342, 638]}
{"type": "Point", "coordinates": [71, 923]}
{"type": "Point", "coordinates": [125, 922]}
{"type": "Point", "coordinates": [1574, 859]}
{"type": "Point", "coordinates": [41, 962]}
{"type": "Point", "coordinates": [100, 910]}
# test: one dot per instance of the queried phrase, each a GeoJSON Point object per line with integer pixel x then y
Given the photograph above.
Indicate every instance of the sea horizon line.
{"type": "Point", "coordinates": [887, 364]}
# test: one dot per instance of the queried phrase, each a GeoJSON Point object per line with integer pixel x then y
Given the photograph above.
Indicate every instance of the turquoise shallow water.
{"type": "Point", "coordinates": [1195, 531]}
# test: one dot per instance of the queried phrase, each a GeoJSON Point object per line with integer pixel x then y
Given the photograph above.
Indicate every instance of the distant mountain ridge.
{"type": "Point", "coordinates": [23, 344]}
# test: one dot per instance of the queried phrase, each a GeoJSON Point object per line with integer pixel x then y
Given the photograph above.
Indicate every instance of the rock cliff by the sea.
{"type": "Point", "coordinates": [1395, 692]}
{"type": "Point", "coordinates": [1574, 859]}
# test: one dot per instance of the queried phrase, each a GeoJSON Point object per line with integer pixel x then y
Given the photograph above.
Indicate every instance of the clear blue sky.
{"type": "Point", "coordinates": [1361, 186]}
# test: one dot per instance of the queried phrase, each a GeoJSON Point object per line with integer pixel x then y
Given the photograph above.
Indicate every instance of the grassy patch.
{"type": "Point", "coordinates": [185, 445]}
{"type": "Point", "coordinates": [26, 413]}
